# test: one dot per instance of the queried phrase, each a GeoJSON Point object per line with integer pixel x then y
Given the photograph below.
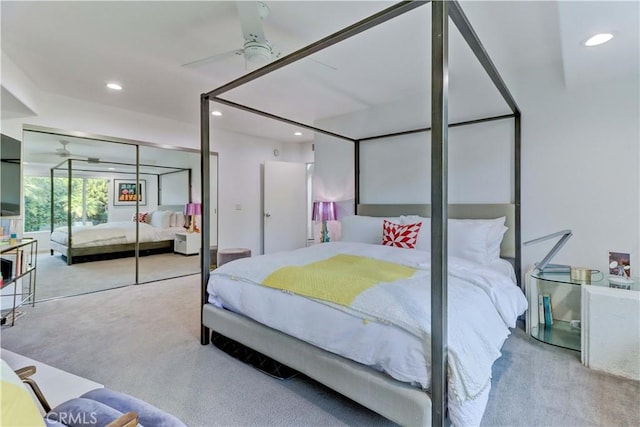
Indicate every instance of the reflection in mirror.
{"type": "Point", "coordinates": [70, 209]}
{"type": "Point", "coordinates": [173, 186]}
{"type": "Point", "coordinates": [80, 204]}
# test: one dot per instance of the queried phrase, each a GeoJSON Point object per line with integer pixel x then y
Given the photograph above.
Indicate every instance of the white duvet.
{"type": "Point", "coordinates": [388, 326]}
{"type": "Point", "coordinates": [110, 233]}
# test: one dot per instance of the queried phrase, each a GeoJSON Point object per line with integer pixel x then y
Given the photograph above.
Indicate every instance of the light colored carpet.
{"type": "Point", "coordinates": [144, 340]}
{"type": "Point", "coordinates": [56, 279]}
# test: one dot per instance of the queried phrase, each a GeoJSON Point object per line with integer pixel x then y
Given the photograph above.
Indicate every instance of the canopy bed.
{"type": "Point", "coordinates": [144, 233]}
{"type": "Point", "coordinates": [445, 385]}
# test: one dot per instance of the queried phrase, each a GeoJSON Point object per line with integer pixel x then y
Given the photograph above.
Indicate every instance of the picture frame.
{"type": "Point", "coordinates": [124, 192]}
{"type": "Point", "coordinates": [620, 264]}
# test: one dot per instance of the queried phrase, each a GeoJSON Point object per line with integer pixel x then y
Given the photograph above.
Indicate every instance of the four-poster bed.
{"type": "Point", "coordinates": [397, 400]}
{"type": "Point", "coordinates": [120, 238]}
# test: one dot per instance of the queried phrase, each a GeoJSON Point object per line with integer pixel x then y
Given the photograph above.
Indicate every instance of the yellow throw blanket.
{"type": "Point", "coordinates": [338, 279]}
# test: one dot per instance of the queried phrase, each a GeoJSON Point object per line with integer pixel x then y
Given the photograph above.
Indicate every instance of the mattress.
{"type": "Point", "coordinates": [112, 233]}
{"type": "Point", "coordinates": [395, 349]}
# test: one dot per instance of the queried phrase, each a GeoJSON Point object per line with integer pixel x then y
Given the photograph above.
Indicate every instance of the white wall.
{"type": "Point", "coordinates": [580, 157]}
{"type": "Point", "coordinates": [240, 184]}
{"type": "Point", "coordinates": [392, 170]}
{"type": "Point", "coordinates": [333, 178]}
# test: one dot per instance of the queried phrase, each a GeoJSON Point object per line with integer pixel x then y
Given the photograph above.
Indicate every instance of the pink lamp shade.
{"type": "Point", "coordinates": [324, 211]}
{"type": "Point", "coordinates": [193, 209]}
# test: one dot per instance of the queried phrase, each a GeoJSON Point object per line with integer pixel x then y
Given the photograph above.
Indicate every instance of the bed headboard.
{"type": "Point", "coordinates": [456, 211]}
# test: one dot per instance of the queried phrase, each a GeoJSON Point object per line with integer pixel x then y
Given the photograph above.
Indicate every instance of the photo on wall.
{"type": "Point", "coordinates": [126, 192]}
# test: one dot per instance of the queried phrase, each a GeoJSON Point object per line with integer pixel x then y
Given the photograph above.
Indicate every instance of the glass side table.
{"type": "Point", "coordinates": [565, 305]}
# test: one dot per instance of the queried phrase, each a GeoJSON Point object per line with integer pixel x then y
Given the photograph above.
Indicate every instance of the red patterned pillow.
{"type": "Point", "coordinates": [400, 236]}
{"type": "Point", "coordinates": [142, 217]}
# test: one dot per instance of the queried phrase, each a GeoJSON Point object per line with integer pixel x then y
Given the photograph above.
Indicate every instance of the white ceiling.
{"type": "Point", "coordinates": [74, 48]}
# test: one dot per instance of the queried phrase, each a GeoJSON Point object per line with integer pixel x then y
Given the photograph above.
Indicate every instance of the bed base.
{"type": "Point", "coordinates": [394, 400]}
{"type": "Point", "coordinates": [72, 254]}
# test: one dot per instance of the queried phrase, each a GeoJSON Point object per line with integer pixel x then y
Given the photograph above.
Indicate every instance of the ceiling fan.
{"type": "Point", "coordinates": [257, 50]}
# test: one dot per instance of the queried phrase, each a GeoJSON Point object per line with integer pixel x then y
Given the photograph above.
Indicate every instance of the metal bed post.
{"type": "Point", "coordinates": [439, 202]}
{"type": "Point", "coordinates": [138, 188]}
{"type": "Point", "coordinates": [69, 178]}
{"type": "Point", "coordinates": [356, 176]}
{"type": "Point", "coordinates": [517, 177]}
{"type": "Point", "coordinates": [205, 256]}
{"type": "Point", "coordinates": [51, 206]}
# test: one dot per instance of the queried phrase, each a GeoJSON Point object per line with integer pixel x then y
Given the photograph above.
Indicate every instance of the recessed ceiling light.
{"type": "Point", "coordinates": [114, 86]}
{"type": "Point", "coordinates": [111, 169]}
{"type": "Point", "coordinates": [598, 39]}
{"type": "Point", "coordinates": [216, 113]}
{"type": "Point", "coordinates": [297, 133]}
{"type": "Point", "coordinates": [25, 163]}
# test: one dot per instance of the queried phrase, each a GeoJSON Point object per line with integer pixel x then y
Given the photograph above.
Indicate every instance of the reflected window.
{"type": "Point", "coordinates": [89, 202]}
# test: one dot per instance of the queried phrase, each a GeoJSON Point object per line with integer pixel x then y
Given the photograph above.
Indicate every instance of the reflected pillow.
{"type": "Point", "coordinates": [160, 219]}
{"type": "Point", "coordinates": [180, 220]}
{"type": "Point", "coordinates": [400, 236]}
{"type": "Point", "coordinates": [140, 217]}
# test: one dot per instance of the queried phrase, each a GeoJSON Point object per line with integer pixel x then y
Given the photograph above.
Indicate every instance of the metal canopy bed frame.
{"type": "Point", "coordinates": [396, 401]}
{"type": "Point", "coordinates": [113, 250]}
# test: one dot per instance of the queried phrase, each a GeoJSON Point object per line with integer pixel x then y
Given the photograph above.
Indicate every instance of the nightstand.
{"type": "Point", "coordinates": [611, 327]}
{"type": "Point", "coordinates": [565, 307]}
{"type": "Point", "coordinates": [187, 243]}
{"type": "Point", "coordinates": [608, 315]}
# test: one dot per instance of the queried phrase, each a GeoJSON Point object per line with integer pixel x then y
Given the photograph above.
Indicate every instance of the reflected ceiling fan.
{"type": "Point", "coordinates": [63, 151]}
{"type": "Point", "coordinates": [257, 50]}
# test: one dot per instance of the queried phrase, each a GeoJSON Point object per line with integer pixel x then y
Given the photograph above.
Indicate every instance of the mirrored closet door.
{"type": "Point", "coordinates": [109, 212]}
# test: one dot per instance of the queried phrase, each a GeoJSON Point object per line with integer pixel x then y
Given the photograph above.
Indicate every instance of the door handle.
{"type": "Point", "coordinates": [268, 215]}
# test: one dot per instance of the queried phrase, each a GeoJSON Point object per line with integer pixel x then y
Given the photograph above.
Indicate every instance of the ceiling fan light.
{"type": "Point", "coordinates": [598, 39]}
{"type": "Point", "coordinates": [256, 52]}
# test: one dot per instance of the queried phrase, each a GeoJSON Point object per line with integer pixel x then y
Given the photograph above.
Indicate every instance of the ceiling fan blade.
{"type": "Point", "coordinates": [331, 67]}
{"type": "Point", "coordinates": [213, 58]}
{"type": "Point", "coordinates": [251, 13]}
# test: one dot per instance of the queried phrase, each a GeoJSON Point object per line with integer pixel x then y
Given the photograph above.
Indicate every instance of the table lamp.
{"type": "Point", "coordinates": [324, 211]}
{"type": "Point", "coordinates": [544, 266]}
{"type": "Point", "coordinates": [191, 210]}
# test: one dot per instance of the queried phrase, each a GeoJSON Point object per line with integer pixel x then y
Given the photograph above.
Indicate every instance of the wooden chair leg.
{"type": "Point", "coordinates": [130, 419]}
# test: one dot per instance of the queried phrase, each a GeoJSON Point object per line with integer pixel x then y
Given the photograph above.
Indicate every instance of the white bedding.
{"type": "Point", "coordinates": [481, 310]}
{"type": "Point", "coordinates": [112, 233]}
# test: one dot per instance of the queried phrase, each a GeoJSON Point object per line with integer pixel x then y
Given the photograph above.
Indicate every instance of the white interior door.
{"type": "Point", "coordinates": [285, 206]}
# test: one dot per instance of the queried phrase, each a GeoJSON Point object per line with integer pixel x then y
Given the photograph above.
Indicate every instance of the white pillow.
{"type": "Point", "coordinates": [476, 240]}
{"type": "Point", "coordinates": [160, 219]}
{"type": "Point", "coordinates": [363, 229]}
{"type": "Point", "coordinates": [172, 219]}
